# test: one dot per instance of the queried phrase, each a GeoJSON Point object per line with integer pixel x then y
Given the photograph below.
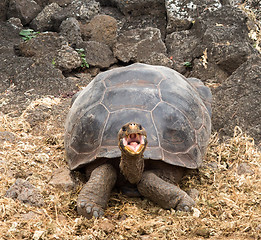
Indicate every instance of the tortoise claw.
{"type": "Point", "coordinates": [90, 210]}
{"type": "Point", "coordinates": [185, 204]}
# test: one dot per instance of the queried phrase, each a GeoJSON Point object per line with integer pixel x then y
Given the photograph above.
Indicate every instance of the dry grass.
{"type": "Point", "coordinates": [228, 206]}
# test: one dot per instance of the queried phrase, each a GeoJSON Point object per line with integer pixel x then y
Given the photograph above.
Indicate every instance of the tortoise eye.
{"type": "Point", "coordinates": [140, 127]}
{"type": "Point", "coordinates": [123, 128]}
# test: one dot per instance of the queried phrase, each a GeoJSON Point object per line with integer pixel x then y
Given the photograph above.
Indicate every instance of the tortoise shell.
{"type": "Point", "coordinates": [174, 110]}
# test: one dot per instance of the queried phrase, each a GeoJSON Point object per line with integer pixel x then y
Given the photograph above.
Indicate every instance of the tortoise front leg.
{"type": "Point", "coordinates": [166, 194]}
{"type": "Point", "coordinates": [95, 194]}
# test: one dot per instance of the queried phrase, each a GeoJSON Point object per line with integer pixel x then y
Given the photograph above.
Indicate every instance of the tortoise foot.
{"type": "Point", "coordinates": [89, 209]}
{"type": "Point", "coordinates": [95, 194]}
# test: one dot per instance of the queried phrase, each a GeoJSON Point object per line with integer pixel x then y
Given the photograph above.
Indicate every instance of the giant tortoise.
{"type": "Point", "coordinates": [138, 128]}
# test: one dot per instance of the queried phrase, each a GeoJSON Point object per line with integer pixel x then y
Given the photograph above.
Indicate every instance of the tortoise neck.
{"type": "Point", "coordinates": [132, 167]}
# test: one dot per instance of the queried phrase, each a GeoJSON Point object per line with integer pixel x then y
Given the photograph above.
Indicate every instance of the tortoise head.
{"type": "Point", "coordinates": [132, 139]}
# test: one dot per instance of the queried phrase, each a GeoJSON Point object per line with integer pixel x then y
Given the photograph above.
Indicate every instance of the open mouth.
{"type": "Point", "coordinates": [134, 143]}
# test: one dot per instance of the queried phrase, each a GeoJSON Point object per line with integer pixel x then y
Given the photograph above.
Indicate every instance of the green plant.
{"type": "Point", "coordinates": [28, 34]}
{"type": "Point", "coordinates": [53, 62]}
{"type": "Point", "coordinates": [81, 52]}
{"type": "Point", "coordinates": [187, 64]}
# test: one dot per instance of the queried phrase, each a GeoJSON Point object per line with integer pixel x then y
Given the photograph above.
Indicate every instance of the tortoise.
{"type": "Point", "coordinates": [138, 128]}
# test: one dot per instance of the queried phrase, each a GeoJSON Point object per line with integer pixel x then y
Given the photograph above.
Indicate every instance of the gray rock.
{"type": "Point", "coordinates": [7, 136]}
{"type": "Point", "coordinates": [224, 44]}
{"type": "Point", "coordinates": [237, 101]}
{"type": "Point", "coordinates": [67, 59]}
{"type": "Point", "coordinates": [98, 54]}
{"type": "Point", "coordinates": [43, 21]}
{"type": "Point", "coordinates": [159, 59]}
{"type": "Point", "coordinates": [244, 169]}
{"type": "Point", "coordinates": [180, 14]}
{"type": "Point", "coordinates": [70, 29]}
{"type": "Point", "coordinates": [15, 22]}
{"type": "Point", "coordinates": [25, 192]}
{"type": "Point", "coordinates": [62, 179]}
{"type": "Point", "coordinates": [62, 3]}
{"type": "Point", "coordinates": [138, 45]}
{"type": "Point", "coordinates": [3, 9]}
{"type": "Point", "coordinates": [181, 46]}
{"type": "Point", "coordinates": [102, 28]}
{"type": "Point", "coordinates": [26, 10]}
{"type": "Point", "coordinates": [45, 45]}
{"type": "Point", "coordinates": [137, 7]}
{"type": "Point", "coordinates": [83, 10]}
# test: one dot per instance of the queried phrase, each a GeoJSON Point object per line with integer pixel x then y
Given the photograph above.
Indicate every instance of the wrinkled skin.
{"type": "Point", "coordinates": [154, 180]}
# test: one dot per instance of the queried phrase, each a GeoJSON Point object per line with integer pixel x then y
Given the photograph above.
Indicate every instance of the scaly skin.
{"type": "Point", "coordinates": [132, 167]}
{"type": "Point", "coordinates": [164, 193]}
{"type": "Point", "coordinates": [95, 194]}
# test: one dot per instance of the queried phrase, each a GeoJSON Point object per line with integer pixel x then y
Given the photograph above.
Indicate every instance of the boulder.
{"type": "Point", "coordinates": [43, 20]}
{"type": "Point", "coordinates": [181, 46]}
{"type": "Point", "coordinates": [67, 59]}
{"type": "Point", "coordinates": [159, 59]}
{"type": "Point", "coordinates": [62, 3]}
{"type": "Point", "coordinates": [26, 10]}
{"type": "Point", "coordinates": [102, 28]}
{"type": "Point", "coordinates": [237, 101]}
{"type": "Point", "coordinates": [98, 54]}
{"type": "Point", "coordinates": [181, 14]}
{"type": "Point", "coordinates": [137, 7]}
{"type": "Point", "coordinates": [25, 192]}
{"type": "Point", "coordinates": [83, 10]}
{"type": "Point", "coordinates": [3, 9]}
{"type": "Point", "coordinates": [44, 45]}
{"type": "Point", "coordinates": [138, 45]}
{"type": "Point", "coordinates": [15, 22]}
{"type": "Point", "coordinates": [62, 179]}
{"type": "Point", "coordinates": [70, 29]}
{"type": "Point", "coordinates": [224, 43]}
{"type": "Point", "coordinates": [137, 14]}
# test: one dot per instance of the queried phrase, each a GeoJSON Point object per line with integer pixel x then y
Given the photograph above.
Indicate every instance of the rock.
{"type": "Point", "coordinates": [98, 54]}
{"type": "Point", "coordinates": [29, 216]}
{"type": "Point", "coordinates": [43, 21]}
{"type": "Point", "coordinates": [25, 192]}
{"type": "Point", "coordinates": [102, 28]}
{"type": "Point", "coordinates": [79, 9]}
{"type": "Point", "coordinates": [45, 45]}
{"type": "Point", "coordinates": [181, 46]}
{"type": "Point", "coordinates": [62, 179]}
{"type": "Point", "coordinates": [138, 45]}
{"type": "Point", "coordinates": [70, 29]}
{"type": "Point", "coordinates": [138, 7]}
{"type": "Point", "coordinates": [237, 101]}
{"type": "Point", "coordinates": [3, 9]}
{"type": "Point", "coordinates": [244, 169]}
{"type": "Point", "coordinates": [15, 22]}
{"type": "Point", "coordinates": [62, 3]}
{"type": "Point", "coordinates": [203, 232]}
{"type": "Point", "coordinates": [7, 136]}
{"type": "Point", "coordinates": [181, 14]}
{"type": "Point", "coordinates": [26, 10]}
{"type": "Point", "coordinates": [138, 14]}
{"type": "Point", "coordinates": [159, 59]}
{"type": "Point", "coordinates": [107, 226]}
{"type": "Point", "coordinates": [224, 45]}
{"type": "Point", "coordinates": [67, 59]}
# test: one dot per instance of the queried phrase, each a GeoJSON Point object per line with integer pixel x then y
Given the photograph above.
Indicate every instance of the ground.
{"type": "Point", "coordinates": [228, 204]}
